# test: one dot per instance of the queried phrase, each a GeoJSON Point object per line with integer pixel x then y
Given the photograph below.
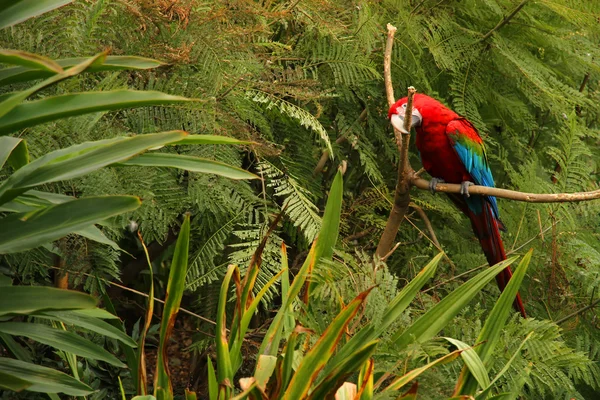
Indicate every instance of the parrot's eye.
{"type": "Point", "coordinates": [404, 106]}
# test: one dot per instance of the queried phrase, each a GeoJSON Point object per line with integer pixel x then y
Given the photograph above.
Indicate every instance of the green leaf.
{"type": "Point", "coordinates": [42, 379]}
{"type": "Point", "coordinates": [342, 370]}
{"type": "Point", "coordinates": [90, 323]}
{"type": "Point", "coordinates": [79, 160]}
{"type": "Point", "coordinates": [472, 361]}
{"type": "Point", "coordinates": [13, 150]}
{"type": "Point", "coordinates": [22, 10]}
{"type": "Point", "coordinates": [15, 99]}
{"type": "Point", "coordinates": [13, 383]}
{"type": "Point", "coordinates": [393, 310]}
{"type": "Point", "coordinates": [95, 234]}
{"type": "Point", "coordinates": [331, 219]}
{"type": "Point", "coordinates": [30, 60]}
{"type": "Point", "coordinates": [494, 324]}
{"type": "Point", "coordinates": [51, 108]}
{"type": "Point", "coordinates": [224, 367]}
{"type": "Point", "coordinates": [25, 231]}
{"type": "Point", "coordinates": [486, 390]}
{"type": "Point", "coordinates": [434, 320]}
{"type": "Point", "coordinates": [264, 369]}
{"type": "Point", "coordinates": [60, 339]}
{"type": "Point", "coordinates": [315, 359]}
{"type": "Point", "coordinates": [29, 299]}
{"type": "Point", "coordinates": [399, 382]}
{"type": "Point", "coordinates": [212, 139]}
{"type": "Point", "coordinates": [175, 289]}
{"type": "Point", "coordinates": [235, 353]}
{"type": "Point", "coordinates": [111, 63]}
{"type": "Point", "coordinates": [213, 384]}
{"type": "Point", "coordinates": [190, 163]}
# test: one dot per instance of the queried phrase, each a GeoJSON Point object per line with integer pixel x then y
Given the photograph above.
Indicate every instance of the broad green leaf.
{"type": "Point", "coordinates": [434, 320]}
{"type": "Point", "coordinates": [190, 163]}
{"type": "Point", "coordinates": [95, 313]}
{"type": "Point", "coordinates": [20, 352]}
{"type": "Point", "coordinates": [30, 60]}
{"type": "Point", "coordinates": [212, 139]}
{"type": "Point", "coordinates": [486, 390]}
{"type": "Point", "coordinates": [13, 383]}
{"type": "Point", "coordinates": [328, 234]}
{"type": "Point", "coordinates": [472, 361]}
{"type": "Point", "coordinates": [79, 160]}
{"type": "Point", "coordinates": [51, 108]}
{"type": "Point", "coordinates": [494, 324]}
{"type": "Point", "coordinates": [393, 310]}
{"type": "Point", "coordinates": [190, 395]}
{"type": "Point", "coordinates": [317, 357]}
{"type": "Point", "coordinates": [44, 380]}
{"type": "Point", "coordinates": [342, 370]}
{"type": "Point", "coordinates": [15, 99]}
{"type": "Point", "coordinates": [111, 63]}
{"type": "Point", "coordinates": [95, 234]}
{"type": "Point", "coordinates": [399, 382]}
{"type": "Point", "coordinates": [25, 231]}
{"type": "Point", "coordinates": [175, 288]}
{"type": "Point", "coordinates": [90, 323]}
{"type": "Point", "coordinates": [22, 10]}
{"type": "Point", "coordinates": [13, 150]}
{"type": "Point", "coordinates": [60, 339]}
{"type": "Point", "coordinates": [29, 299]}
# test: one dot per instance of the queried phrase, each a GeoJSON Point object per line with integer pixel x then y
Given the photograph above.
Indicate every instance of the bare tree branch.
{"type": "Point", "coordinates": [428, 225]}
{"type": "Point", "coordinates": [341, 139]}
{"type": "Point", "coordinates": [511, 194]}
{"type": "Point", "coordinates": [405, 172]}
{"type": "Point", "coordinates": [504, 20]}
{"type": "Point", "coordinates": [581, 310]}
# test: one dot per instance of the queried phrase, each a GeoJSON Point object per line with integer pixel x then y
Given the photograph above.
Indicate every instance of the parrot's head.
{"type": "Point", "coordinates": [426, 110]}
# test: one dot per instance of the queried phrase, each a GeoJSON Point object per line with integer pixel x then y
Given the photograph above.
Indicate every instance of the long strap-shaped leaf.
{"type": "Point", "coordinates": [29, 299]}
{"type": "Point", "coordinates": [317, 357]}
{"type": "Point", "coordinates": [79, 160]}
{"type": "Point", "coordinates": [393, 310]}
{"type": "Point", "coordinates": [23, 231]}
{"type": "Point", "coordinates": [68, 105]}
{"type": "Point", "coordinates": [494, 324]}
{"type": "Point", "coordinates": [42, 379]}
{"type": "Point", "coordinates": [21, 10]}
{"type": "Point", "coordinates": [15, 99]}
{"type": "Point", "coordinates": [61, 340]}
{"type": "Point", "coordinates": [13, 150]}
{"type": "Point", "coordinates": [434, 320]}
{"type": "Point", "coordinates": [175, 287]}
{"type": "Point", "coordinates": [111, 63]}
{"type": "Point", "coordinates": [190, 163]}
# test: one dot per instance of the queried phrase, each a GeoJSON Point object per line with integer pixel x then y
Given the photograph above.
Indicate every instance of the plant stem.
{"type": "Point", "coordinates": [504, 21]}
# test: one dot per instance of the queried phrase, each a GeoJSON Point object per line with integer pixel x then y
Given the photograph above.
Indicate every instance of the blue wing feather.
{"type": "Point", "coordinates": [472, 155]}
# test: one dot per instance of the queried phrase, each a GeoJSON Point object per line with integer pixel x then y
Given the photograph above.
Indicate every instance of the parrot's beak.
{"type": "Point", "coordinates": [398, 120]}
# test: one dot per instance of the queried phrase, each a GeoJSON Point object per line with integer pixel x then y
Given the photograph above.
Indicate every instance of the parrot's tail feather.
{"type": "Point", "coordinates": [485, 227]}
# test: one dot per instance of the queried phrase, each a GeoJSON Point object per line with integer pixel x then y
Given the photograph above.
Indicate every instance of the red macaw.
{"type": "Point", "coordinates": [452, 151]}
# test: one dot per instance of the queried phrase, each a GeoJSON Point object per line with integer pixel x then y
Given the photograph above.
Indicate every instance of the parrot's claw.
{"type": "Point", "coordinates": [464, 188]}
{"type": "Point", "coordinates": [433, 184]}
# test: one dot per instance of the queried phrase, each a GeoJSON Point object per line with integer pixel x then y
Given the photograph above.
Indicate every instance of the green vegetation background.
{"type": "Point", "coordinates": [298, 77]}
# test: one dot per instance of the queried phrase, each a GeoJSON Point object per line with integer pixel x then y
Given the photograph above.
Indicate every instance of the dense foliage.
{"type": "Point", "coordinates": [301, 78]}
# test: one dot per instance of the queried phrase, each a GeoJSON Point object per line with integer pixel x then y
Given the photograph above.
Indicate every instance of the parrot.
{"type": "Point", "coordinates": [452, 151]}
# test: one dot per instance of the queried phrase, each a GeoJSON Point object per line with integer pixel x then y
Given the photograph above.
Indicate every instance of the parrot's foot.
{"type": "Point", "coordinates": [433, 184]}
{"type": "Point", "coordinates": [464, 188]}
